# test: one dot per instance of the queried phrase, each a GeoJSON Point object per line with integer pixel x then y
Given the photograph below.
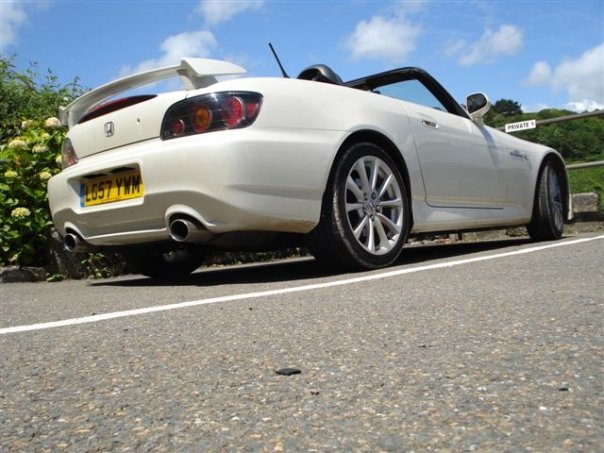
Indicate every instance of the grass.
{"type": "Point", "coordinates": [588, 180]}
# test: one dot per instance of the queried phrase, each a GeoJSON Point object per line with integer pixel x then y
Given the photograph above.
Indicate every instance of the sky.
{"type": "Point", "coordinates": [542, 54]}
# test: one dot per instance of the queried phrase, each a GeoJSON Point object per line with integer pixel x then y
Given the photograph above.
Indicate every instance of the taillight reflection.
{"type": "Point", "coordinates": [68, 155]}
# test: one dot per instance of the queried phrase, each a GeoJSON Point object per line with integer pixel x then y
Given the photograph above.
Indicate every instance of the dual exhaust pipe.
{"type": "Point", "coordinates": [74, 243]}
{"type": "Point", "coordinates": [189, 230]}
{"type": "Point", "coordinates": [181, 230]}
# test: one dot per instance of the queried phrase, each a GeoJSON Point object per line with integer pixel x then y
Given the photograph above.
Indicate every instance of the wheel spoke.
{"type": "Point", "coordinates": [354, 207]}
{"type": "Point", "coordinates": [358, 230]}
{"type": "Point", "coordinates": [394, 203]}
{"type": "Point", "coordinates": [554, 185]}
{"type": "Point", "coordinates": [394, 227]}
{"type": "Point", "coordinates": [384, 242]}
{"type": "Point", "coordinates": [362, 171]}
{"type": "Point", "coordinates": [385, 185]}
{"type": "Point", "coordinates": [373, 174]}
{"type": "Point", "coordinates": [558, 213]}
{"type": "Point", "coordinates": [352, 186]}
{"type": "Point", "coordinates": [371, 237]}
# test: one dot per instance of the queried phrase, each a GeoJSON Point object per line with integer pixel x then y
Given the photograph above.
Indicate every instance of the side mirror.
{"type": "Point", "coordinates": [477, 105]}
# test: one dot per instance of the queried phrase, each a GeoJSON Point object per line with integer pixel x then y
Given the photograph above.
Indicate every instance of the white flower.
{"type": "Point", "coordinates": [17, 144]}
{"type": "Point", "coordinates": [20, 213]}
{"type": "Point", "coordinates": [38, 149]}
{"type": "Point", "coordinates": [10, 174]}
{"type": "Point", "coordinates": [59, 159]}
{"type": "Point", "coordinates": [45, 175]}
{"type": "Point", "coordinates": [52, 123]}
{"type": "Point", "coordinates": [26, 124]}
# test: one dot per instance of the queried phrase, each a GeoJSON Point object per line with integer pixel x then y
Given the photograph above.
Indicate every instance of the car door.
{"type": "Point", "coordinates": [460, 163]}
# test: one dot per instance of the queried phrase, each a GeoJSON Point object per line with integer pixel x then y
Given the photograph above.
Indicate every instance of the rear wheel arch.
{"type": "Point", "coordinates": [365, 212]}
{"type": "Point", "coordinates": [388, 146]}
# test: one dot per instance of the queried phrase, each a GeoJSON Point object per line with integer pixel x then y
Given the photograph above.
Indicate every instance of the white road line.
{"type": "Point", "coordinates": [275, 292]}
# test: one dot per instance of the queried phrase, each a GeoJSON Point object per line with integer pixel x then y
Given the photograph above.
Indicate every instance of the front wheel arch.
{"type": "Point", "coordinates": [562, 173]}
{"type": "Point", "coordinates": [541, 226]}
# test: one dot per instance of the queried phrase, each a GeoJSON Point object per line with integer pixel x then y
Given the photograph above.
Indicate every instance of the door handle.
{"type": "Point", "coordinates": [430, 124]}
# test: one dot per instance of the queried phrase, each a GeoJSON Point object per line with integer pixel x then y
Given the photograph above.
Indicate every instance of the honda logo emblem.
{"type": "Point", "coordinates": [109, 129]}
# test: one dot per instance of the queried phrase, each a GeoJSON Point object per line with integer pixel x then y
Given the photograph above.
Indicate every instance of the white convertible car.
{"type": "Point", "coordinates": [349, 168]}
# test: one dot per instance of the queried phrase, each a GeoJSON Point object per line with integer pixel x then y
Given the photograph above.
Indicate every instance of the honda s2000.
{"type": "Point", "coordinates": [350, 169]}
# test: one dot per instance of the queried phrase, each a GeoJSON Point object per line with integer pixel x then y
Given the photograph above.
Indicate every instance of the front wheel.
{"type": "Point", "coordinates": [176, 262]}
{"type": "Point", "coordinates": [365, 212]}
{"type": "Point", "coordinates": [548, 212]}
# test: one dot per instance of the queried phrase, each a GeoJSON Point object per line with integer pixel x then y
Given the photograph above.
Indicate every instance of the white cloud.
{"type": "Point", "coordinates": [12, 16]}
{"type": "Point", "coordinates": [391, 38]}
{"type": "Point", "coordinates": [199, 43]}
{"type": "Point", "coordinates": [586, 105]}
{"type": "Point", "coordinates": [215, 11]}
{"type": "Point", "coordinates": [535, 108]}
{"type": "Point", "coordinates": [540, 74]}
{"type": "Point", "coordinates": [582, 78]}
{"type": "Point", "coordinates": [174, 48]}
{"type": "Point", "coordinates": [507, 40]}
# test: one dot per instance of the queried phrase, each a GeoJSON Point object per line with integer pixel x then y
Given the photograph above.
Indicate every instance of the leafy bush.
{"type": "Point", "coordinates": [29, 95]}
{"type": "Point", "coordinates": [576, 140]}
{"type": "Point", "coordinates": [30, 148]}
{"type": "Point", "coordinates": [28, 162]}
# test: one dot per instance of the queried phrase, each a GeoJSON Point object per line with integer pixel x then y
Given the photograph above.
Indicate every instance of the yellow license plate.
{"type": "Point", "coordinates": [111, 187]}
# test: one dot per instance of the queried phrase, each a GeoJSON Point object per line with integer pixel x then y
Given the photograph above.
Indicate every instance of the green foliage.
{"type": "Point", "coordinates": [30, 146]}
{"type": "Point", "coordinates": [102, 265]}
{"type": "Point", "coordinates": [28, 95]}
{"type": "Point", "coordinates": [577, 140]}
{"type": "Point", "coordinates": [507, 107]}
{"type": "Point", "coordinates": [27, 162]}
{"type": "Point", "coordinates": [588, 180]}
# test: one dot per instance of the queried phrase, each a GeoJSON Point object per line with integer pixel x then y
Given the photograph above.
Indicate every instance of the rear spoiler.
{"type": "Point", "coordinates": [194, 73]}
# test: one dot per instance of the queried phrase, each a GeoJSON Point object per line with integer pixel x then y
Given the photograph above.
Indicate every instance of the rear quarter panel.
{"type": "Point", "coordinates": [301, 105]}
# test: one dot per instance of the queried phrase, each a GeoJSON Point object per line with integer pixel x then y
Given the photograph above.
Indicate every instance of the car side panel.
{"type": "Point", "coordinates": [462, 166]}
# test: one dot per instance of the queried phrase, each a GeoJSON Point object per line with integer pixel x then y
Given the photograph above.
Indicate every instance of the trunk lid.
{"type": "Point", "coordinates": [132, 124]}
{"type": "Point", "coordinates": [97, 125]}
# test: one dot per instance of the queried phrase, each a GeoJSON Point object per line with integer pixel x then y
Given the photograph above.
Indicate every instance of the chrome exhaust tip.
{"type": "Point", "coordinates": [74, 243]}
{"type": "Point", "coordinates": [185, 230]}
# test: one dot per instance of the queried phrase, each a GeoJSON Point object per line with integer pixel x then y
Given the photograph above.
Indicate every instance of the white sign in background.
{"type": "Point", "coordinates": [521, 126]}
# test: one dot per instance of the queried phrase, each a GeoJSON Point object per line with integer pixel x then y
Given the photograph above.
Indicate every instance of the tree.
{"type": "Point", "coordinates": [507, 107]}
{"type": "Point", "coordinates": [27, 95]}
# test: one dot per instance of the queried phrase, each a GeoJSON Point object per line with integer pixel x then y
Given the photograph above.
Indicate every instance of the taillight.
{"type": "Point", "coordinates": [233, 111]}
{"type": "Point", "coordinates": [202, 118]}
{"type": "Point", "coordinates": [68, 155]}
{"type": "Point", "coordinates": [211, 112]}
{"type": "Point", "coordinates": [177, 128]}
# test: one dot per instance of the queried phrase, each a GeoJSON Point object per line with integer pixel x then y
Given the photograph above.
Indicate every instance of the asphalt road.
{"type": "Point", "coordinates": [495, 346]}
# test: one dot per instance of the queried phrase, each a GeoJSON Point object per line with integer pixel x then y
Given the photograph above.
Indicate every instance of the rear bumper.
{"type": "Point", "coordinates": [244, 180]}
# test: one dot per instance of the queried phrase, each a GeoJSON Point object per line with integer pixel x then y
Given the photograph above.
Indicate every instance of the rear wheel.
{"type": "Point", "coordinates": [176, 262]}
{"type": "Point", "coordinates": [548, 212]}
{"type": "Point", "coordinates": [365, 212]}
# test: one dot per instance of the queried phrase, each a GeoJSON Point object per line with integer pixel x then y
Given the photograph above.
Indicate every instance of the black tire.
{"type": "Point", "coordinates": [547, 222]}
{"type": "Point", "coordinates": [176, 262]}
{"type": "Point", "coordinates": [364, 217]}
